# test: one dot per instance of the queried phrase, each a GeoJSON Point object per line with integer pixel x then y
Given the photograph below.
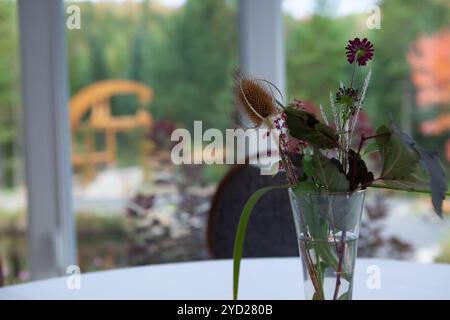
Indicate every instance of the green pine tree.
{"type": "Point", "coordinates": [193, 71]}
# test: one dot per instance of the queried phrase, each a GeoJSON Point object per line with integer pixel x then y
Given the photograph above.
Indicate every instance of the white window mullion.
{"type": "Point", "coordinates": [261, 31]}
{"type": "Point", "coordinates": [261, 48]}
{"type": "Point", "coordinates": [51, 242]}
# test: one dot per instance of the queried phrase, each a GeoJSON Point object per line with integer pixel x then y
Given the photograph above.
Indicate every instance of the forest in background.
{"type": "Point", "coordinates": [187, 55]}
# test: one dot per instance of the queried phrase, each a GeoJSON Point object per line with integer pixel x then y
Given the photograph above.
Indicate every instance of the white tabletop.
{"type": "Point", "coordinates": [274, 278]}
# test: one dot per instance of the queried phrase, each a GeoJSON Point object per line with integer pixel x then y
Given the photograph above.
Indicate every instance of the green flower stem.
{"type": "Point", "coordinates": [321, 276]}
{"type": "Point", "coordinates": [380, 186]}
{"type": "Point", "coordinates": [364, 139]}
{"type": "Point", "coordinates": [312, 270]}
{"type": "Point", "coordinates": [330, 258]}
{"type": "Point", "coordinates": [353, 73]}
{"type": "Point", "coordinates": [324, 256]}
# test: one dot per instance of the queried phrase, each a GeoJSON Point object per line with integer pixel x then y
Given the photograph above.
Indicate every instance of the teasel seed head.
{"type": "Point", "coordinates": [254, 101]}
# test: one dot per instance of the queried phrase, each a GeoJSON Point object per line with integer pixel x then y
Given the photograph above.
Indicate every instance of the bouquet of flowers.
{"type": "Point", "coordinates": [327, 172]}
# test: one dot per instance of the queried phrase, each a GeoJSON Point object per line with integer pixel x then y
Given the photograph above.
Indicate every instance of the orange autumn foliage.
{"type": "Point", "coordinates": [429, 58]}
{"type": "Point", "coordinates": [430, 62]}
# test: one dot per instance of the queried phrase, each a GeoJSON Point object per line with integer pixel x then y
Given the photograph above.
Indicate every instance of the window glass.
{"type": "Point", "coordinates": [13, 223]}
{"type": "Point", "coordinates": [139, 70]}
{"type": "Point", "coordinates": [410, 84]}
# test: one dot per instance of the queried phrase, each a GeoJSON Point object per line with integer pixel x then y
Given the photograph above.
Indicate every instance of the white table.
{"type": "Point", "coordinates": [275, 278]}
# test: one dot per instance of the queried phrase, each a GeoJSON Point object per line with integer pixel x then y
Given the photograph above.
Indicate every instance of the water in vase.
{"type": "Point", "coordinates": [329, 265]}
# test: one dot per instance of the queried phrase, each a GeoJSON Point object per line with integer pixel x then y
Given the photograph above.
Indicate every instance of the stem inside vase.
{"type": "Point", "coordinates": [328, 228]}
{"type": "Point", "coordinates": [334, 271]}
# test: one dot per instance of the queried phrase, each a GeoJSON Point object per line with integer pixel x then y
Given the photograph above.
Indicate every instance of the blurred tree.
{"type": "Point", "coordinates": [139, 51]}
{"type": "Point", "coordinates": [9, 96]}
{"type": "Point", "coordinates": [97, 58]}
{"type": "Point", "coordinates": [78, 61]}
{"type": "Point", "coordinates": [392, 92]}
{"type": "Point", "coordinates": [430, 62]}
{"type": "Point", "coordinates": [193, 68]}
{"type": "Point", "coordinates": [137, 58]}
{"type": "Point", "coordinates": [315, 52]}
{"type": "Point", "coordinates": [85, 49]}
{"type": "Point", "coordinates": [315, 64]}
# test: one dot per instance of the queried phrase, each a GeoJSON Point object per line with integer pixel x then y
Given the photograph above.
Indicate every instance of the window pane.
{"type": "Point", "coordinates": [410, 83]}
{"type": "Point", "coordinates": [133, 206]}
{"type": "Point", "coordinates": [13, 222]}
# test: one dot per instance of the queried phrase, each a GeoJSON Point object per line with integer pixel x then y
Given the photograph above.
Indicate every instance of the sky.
{"type": "Point", "coordinates": [296, 8]}
{"type": "Point", "coordinates": [304, 8]}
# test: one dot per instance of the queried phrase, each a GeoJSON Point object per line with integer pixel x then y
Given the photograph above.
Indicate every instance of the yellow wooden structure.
{"type": "Point", "coordinates": [95, 100]}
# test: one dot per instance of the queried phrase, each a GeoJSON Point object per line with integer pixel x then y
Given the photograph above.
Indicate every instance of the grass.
{"type": "Point", "coordinates": [102, 242]}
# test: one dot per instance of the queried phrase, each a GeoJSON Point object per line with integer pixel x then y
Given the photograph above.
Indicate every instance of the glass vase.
{"type": "Point", "coordinates": [327, 226]}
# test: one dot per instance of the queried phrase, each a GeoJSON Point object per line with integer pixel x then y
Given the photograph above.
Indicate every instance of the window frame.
{"type": "Point", "coordinates": [51, 228]}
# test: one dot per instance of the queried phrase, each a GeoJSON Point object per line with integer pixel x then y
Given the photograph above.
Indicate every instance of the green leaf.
{"type": "Point", "coordinates": [429, 162]}
{"type": "Point", "coordinates": [316, 296]}
{"type": "Point", "coordinates": [346, 213]}
{"type": "Point", "coordinates": [309, 220]}
{"type": "Point", "coordinates": [408, 167]}
{"type": "Point", "coordinates": [304, 126]}
{"type": "Point", "coordinates": [308, 166]}
{"type": "Point", "coordinates": [401, 185]}
{"type": "Point", "coordinates": [242, 229]}
{"type": "Point", "coordinates": [371, 148]}
{"type": "Point", "coordinates": [400, 163]}
{"type": "Point", "coordinates": [304, 187]}
{"type": "Point", "coordinates": [329, 173]}
{"type": "Point", "coordinates": [330, 258]}
{"type": "Point", "coordinates": [344, 296]}
{"type": "Point", "coordinates": [392, 187]}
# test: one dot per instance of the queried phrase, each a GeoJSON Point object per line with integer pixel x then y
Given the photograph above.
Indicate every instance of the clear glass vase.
{"type": "Point", "coordinates": [327, 226]}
